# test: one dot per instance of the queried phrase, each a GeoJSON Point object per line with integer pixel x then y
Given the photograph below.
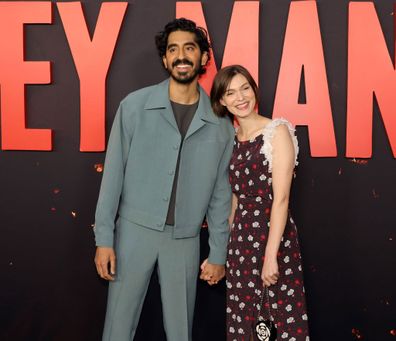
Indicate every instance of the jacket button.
{"type": "Point", "coordinates": [159, 224]}
{"type": "Point", "coordinates": [171, 172]}
{"type": "Point", "coordinates": [175, 147]}
{"type": "Point", "coordinates": [165, 198]}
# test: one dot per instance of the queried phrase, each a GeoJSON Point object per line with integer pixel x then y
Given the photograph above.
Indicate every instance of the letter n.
{"type": "Point", "coordinates": [370, 71]}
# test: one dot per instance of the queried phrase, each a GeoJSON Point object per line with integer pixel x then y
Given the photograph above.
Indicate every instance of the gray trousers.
{"type": "Point", "coordinates": [138, 249]}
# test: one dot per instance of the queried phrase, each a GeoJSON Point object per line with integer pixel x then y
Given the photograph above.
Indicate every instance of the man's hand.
{"type": "Point", "coordinates": [212, 273]}
{"type": "Point", "coordinates": [104, 257]}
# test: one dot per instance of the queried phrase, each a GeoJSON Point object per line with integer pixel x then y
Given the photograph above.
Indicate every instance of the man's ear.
{"type": "Point", "coordinates": [204, 58]}
{"type": "Point", "coordinates": [164, 62]}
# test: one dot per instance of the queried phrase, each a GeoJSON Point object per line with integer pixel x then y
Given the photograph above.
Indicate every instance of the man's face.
{"type": "Point", "coordinates": [183, 57]}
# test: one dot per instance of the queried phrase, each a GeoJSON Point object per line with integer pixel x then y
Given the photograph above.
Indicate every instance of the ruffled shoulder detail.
{"type": "Point", "coordinates": [268, 134]}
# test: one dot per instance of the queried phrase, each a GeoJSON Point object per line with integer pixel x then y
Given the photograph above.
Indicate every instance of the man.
{"type": "Point", "coordinates": [166, 167]}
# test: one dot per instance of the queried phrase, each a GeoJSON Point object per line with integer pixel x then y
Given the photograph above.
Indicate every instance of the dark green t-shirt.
{"type": "Point", "coordinates": [184, 114]}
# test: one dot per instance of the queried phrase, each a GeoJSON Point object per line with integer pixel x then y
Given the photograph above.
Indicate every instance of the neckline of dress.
{"type": "Point", "coordinates": [254, 138]}
{"type": "Point", "coordinates": [248, 141]}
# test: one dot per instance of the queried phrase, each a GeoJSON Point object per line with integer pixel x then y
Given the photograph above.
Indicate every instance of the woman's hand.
{"type": "Point", "coordinates": [270, 271]}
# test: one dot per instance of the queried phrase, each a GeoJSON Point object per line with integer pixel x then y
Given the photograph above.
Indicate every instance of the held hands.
{"type": "Point", "coordinates": [212, 273]}
{"type": "Point", "coordinates": [105, 257]}
{"type": "Point", "coordinates": [270, 271]}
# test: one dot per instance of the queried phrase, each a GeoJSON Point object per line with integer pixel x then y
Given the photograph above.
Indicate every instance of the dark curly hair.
{"type": "Point", "coordinates": [183, 24]}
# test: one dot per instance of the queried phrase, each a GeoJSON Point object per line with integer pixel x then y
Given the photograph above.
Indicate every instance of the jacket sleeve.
{"type": "Point", "coordinates": [219, 208]}
{"type": "Point", "coordinates": [113, 179]}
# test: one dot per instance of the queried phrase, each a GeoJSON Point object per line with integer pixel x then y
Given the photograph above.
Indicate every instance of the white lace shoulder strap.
{"type": "Point", "coordinates": [268, 134]}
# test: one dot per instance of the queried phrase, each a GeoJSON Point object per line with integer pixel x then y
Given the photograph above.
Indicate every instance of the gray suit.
{"type": "Point", "coordinates": [137, 183]}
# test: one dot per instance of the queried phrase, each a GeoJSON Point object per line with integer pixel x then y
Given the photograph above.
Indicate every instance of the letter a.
{"type": "Point", "coordinates": [303, 47]}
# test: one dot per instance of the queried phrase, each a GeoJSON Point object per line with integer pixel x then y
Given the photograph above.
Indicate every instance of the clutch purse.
{"type": "Point", "coordinates": [265, 328]}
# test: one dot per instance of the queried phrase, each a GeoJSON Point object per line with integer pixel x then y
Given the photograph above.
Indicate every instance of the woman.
{"type": "Point", "coordinates": [260, 256]}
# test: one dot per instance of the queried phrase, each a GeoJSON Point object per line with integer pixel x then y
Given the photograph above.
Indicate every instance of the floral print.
{"type": "Point", "coordinates": [250, 178]}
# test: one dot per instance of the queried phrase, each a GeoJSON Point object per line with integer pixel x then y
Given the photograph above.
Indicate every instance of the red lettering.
{"type": "Point", "coordinates": [370, 70]}
{"type": "Point", "coordinates": [92, 59]}
{"type": "Point", "coordinates": [303, 48]}
{"type": "Point", "coordinates": [15, 73]}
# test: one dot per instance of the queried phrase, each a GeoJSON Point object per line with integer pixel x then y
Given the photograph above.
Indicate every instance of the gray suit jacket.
{"type": "Point", "coordinates": [140, 167]}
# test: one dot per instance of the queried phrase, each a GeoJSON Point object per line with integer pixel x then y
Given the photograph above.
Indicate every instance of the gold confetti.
{"type": "Point", "coordinates": [340, 171]}
{"type": "Point", "coordinates": [359, 161]}
{"type": "Point", "coordinates": [385, 301]}
{"type": "Point", "coordinates": [356, 332]}
{"type": "Point", "coordinates": [98, 167]}
{"type": "Point", "coordinates": [74, 214]}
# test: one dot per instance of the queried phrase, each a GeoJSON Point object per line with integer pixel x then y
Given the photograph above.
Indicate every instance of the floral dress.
{"type": "Point", "coordinates": [250, 177]}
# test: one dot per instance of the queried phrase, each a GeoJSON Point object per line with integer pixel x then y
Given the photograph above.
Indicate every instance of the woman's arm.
{"type": "Point", "coordinates": [282, 173]}
{"type": "Point", "coordinates": [234, 204]}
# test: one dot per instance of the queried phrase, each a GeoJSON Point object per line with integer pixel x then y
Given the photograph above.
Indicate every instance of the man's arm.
{"type": "Point", "coordinates": [109, 196]}
{"type": "Point", "coordinates": [217, 218]}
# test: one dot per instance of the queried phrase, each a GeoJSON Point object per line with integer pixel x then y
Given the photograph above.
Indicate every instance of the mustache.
{"type": "Point", "coordinates": [181, 61]}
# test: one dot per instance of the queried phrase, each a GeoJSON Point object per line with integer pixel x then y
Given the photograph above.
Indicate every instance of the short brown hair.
{"type": "Point", "coordinates": [221, 83]}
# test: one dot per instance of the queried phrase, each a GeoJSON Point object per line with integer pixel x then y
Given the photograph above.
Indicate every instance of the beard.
{"type": "Point", "coordinates": [184, 77]}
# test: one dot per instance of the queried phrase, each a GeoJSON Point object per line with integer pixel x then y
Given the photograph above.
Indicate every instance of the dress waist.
{"type": "Point", "coordinates": [243, 198]}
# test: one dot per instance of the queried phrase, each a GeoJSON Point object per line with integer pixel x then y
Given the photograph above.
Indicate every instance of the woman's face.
{"type": "Point", "coordinates": [239, 97]}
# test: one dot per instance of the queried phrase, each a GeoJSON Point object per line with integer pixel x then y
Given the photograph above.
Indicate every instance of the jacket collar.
{"type": "Point", "coordinates": [159, 99]}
